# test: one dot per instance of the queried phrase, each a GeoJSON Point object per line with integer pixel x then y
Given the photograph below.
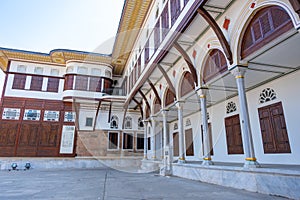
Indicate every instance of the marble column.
{"type": "Point", "coordinates": [145, 139]}
{"type": "Point", "coordinates": [206, 144]}
{"type": "Point", "coordinates": [179, 105]}
{"type": "Point", "coordinates": [153, 133]}
{"type": "Point", "coordinates": [166, 144]}
{"type": "Point", "coordinates": [250, 161]}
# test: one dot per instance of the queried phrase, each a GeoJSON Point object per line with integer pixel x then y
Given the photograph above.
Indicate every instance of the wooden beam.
{"type": "Point", "coordinates": [215, 27]}
{"type": "Point", "coordinates": [164, 73]}
{"type": "Point", "coordinates": [140, 106]}
{"type": "Point", "coordinates": [145, 99]}
{"type": "Point", "coordinates": [97, 113]}
{"type": "Point", "coordinates": [296, 5]}
{"type": "Point", "coordinates": [125, 112]}
{"type": "Point", "coordinates": [155, 91]}
{"type": "Point", "coordinates": [188, 62]}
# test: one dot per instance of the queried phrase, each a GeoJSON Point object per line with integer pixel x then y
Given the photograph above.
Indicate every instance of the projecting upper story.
{"type": "Point", "coordinates": [60, 75]}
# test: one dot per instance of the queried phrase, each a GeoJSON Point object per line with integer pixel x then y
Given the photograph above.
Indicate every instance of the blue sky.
{"type": "Point", "coordinates": [44, 25]}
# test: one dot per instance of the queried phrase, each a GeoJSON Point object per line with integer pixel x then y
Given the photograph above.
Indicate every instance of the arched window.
{"type": "Point", "coordinates": [140, 124]}
{"type": "Point", "coordinates": [215, 64]}
{"type": "Point", "coordinates": [187, 84]}
{"type": "Point", "coordinates": [170, 97]}
{"type": "Point", "coordinates": [157, 106]}
{"type": "Point", "coordinates": [114, 121]}
{"type": "Point", "coordinates": [128, 122]}
{"type": "Point", "coordinates": [265, 26]}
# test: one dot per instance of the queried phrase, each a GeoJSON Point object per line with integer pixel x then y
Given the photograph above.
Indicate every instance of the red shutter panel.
{"type": "Point", "coordinates": [189, 145]}
{"type": "Point", "coordinates": [19, 81]}
{"type": "Point", "coordinates": [36, 83]}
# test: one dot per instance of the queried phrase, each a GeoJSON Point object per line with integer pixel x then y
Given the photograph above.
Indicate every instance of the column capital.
{"type": "Point", "coordinates": [202, 91]}
{"type": "Point", "coordinates": [238, 71]}
{"type": "Point", "coordinates": [178, 104]}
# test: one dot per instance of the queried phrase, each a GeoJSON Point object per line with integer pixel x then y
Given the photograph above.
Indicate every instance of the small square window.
{"type": "Point", "coordinates": [69, 117]}
{"type": "Point", "coordinates": [89, 121]}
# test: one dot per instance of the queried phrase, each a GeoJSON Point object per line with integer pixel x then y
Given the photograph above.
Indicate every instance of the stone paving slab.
{"type": "Point", "coordinates": [107, 184]}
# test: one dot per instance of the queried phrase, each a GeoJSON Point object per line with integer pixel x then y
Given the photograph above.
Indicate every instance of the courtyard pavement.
{"type": "Point", "coordinates": [107, 184]}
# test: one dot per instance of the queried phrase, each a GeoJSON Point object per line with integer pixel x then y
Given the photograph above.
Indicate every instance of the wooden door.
{"type": "Point", "coordinates": [210, 139]}
{"type": "Point", "coordinates": [233, 135]}
{"type": "Point", "coordinates": [28, 139]}
{"type": "Point", "coordinates": [8, 136]}
{"type": "Point", "coordinates": [175, 144]}
{"type": "Point", "coordinates": [189, 145]}
{"type": "Point", "coordinates": [273, 129]}
{"type": "Point", "coordinates": [49, 138]}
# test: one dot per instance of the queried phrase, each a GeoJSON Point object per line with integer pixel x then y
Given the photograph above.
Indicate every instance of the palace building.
{"type": "Point", "coordinates": [188, 81]}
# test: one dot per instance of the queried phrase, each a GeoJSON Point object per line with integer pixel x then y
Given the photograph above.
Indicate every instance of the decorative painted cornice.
{"type": "Point", "coordinates": [133, 15]}
{"type": "Point", "coordinates": [57, 56]}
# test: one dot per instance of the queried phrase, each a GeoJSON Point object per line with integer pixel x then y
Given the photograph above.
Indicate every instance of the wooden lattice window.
{"type": "Point", "coordinates": [170, 97]}
{"type": "Point", "coordinates": [215, 64]}
{"type": "Point", "coordinates": [19, 81]}
{"type": "Point", "coordinates": [36, 83]}
{"type": "Point", "coordinates": [175, 10]}
{"type": "Point", "coordinates": [69, 79]}
{"type": "Point", "coordinates": [265, 26]}
{"type": "Point", "coordinates": [81, 83]}
{"type": "Point", "coordinates": [165, 21]}
{"type": "Point", "coordinates": [95, 84]}
{"type": "Point", "coordinates": [187, 84]}
{"type": "Point", "coordinates": [157, 35]}
{"type": "Point", "coordinates": [53, 84]}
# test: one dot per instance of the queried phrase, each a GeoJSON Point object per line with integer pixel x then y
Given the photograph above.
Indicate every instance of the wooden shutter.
{"type": "Point", "coordinates": [189, 145]}
{"type": "Point", "coordinates": [273, 129]}
{"type": "Point", "coordinates": [187, 84]}
{"type": "Point", "coordinates": [170, 97]}
{"type": "Point", "coordinates": [69, 79]}
{"type": "Point", "coordinates": [81, 83]}
{"type": "Point", "coordinates": [233, 135]}
{"type": "Point", "coordinates": [175, 144]}
{"type": "Point", "coordinates": [215, 65]}
{"type": "Point", "coordinates": [265, 26]}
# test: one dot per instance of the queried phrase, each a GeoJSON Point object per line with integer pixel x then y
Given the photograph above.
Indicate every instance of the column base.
{"type": "Point", "coordinates": [207, 162]}
{"type": "Point", "coordinates": [251, 164]}
{"type": "Point", "coordinates": [181, 161]}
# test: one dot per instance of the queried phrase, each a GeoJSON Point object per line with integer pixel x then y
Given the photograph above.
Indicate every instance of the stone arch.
{"type": "Point", "coordinates": [214, 64]}
{"type": "Point", "coordinates": [186, 85]}
{"type": "Point", "coordinates": [267, 24]}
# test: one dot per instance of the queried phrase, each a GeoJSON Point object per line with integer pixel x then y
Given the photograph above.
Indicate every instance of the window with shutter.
{"type": "Point", "coordinates": [19, 81]}
{"type": "Point", "coordinates": [170, 97]}
{"type": "Point", "coordinates": [265, 26]}
{"type": "Point", "coordinates": [53, 84]}
{"type": "Point", "coordinates": [69, 79]}
{"type": "Point", "coordinates": [36, 83]}
{"type": "Point", "coordinates": [215, 65]}
{"type": "Point", "coordinates": [187, 84]}
{"type": "Point", "coordinates": [81, 83]}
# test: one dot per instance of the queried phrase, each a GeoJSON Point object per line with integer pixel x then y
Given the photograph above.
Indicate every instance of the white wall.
{"type": "Point", "coordinates": [287, 92]}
